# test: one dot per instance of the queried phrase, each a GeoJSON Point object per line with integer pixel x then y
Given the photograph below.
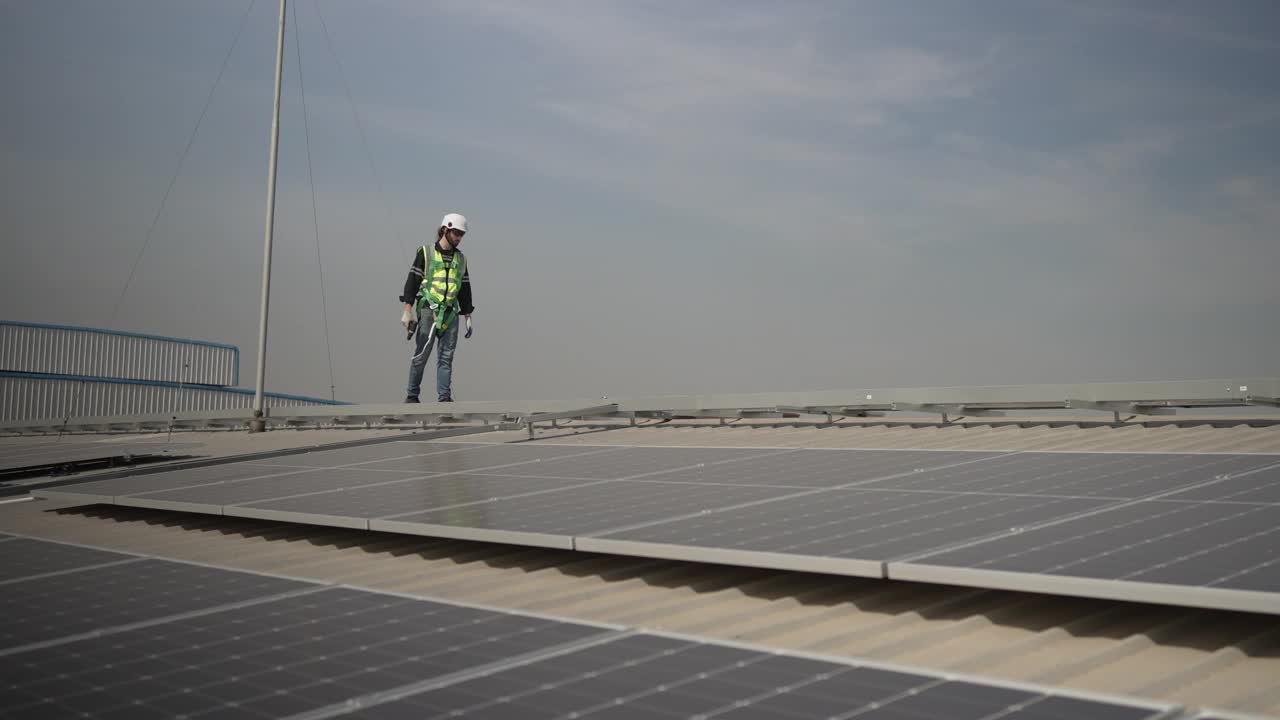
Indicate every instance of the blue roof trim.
{"type": "Point", "coordinates": [160, 383]}
{"type": "Point", "coordinates": [122, 333]}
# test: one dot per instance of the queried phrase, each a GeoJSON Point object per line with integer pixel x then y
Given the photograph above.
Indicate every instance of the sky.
{"type": "Point", "coordinates": [664, 197]}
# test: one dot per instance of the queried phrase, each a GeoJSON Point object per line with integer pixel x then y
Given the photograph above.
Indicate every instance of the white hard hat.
{"type": "Point", "coordinates": [454, 221]}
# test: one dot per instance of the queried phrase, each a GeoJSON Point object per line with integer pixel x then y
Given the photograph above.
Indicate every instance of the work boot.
{"type": "Point", "coordinates": [411, 399]}
{"type": "Point", "coordinates": [445, 399]}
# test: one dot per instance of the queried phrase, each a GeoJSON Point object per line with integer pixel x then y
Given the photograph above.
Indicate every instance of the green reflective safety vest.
{"type": "Point", "coordinates": [441, 284]}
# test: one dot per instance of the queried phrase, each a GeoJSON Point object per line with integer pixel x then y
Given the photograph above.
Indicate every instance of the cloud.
{"type": "Point", "coordinates": [1168, 21]}
{"type": "Point", "coordinates": [706, 113]}
{"type": "Point", "coordinates": [640, 70]}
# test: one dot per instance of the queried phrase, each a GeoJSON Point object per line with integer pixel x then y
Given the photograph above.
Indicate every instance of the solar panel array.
{"type": "Point", "coordinates": [108, 635]}
{"type": "Point", "coordinates": [1179, 528]}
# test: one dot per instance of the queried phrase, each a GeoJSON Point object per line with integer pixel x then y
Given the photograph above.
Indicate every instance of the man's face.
{"type": "Point", "coordinates": [455, 237]}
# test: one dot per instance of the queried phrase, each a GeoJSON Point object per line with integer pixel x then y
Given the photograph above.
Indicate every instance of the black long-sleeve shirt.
{"type": "Point", "coordinates": [414, 281]}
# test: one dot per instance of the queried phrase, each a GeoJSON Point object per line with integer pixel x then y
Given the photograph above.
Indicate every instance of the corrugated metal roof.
{"type": "Point", "coordinates": [1194, 657]}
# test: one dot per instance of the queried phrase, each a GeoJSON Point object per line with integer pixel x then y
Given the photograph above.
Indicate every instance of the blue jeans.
{"type": "Point", "coordinates": [423, 341]}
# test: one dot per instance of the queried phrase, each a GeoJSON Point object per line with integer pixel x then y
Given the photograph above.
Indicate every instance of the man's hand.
{"type": "Point", "coordinates": [468, 327]}
{"type": "Point", "coordinates": [407, 317]}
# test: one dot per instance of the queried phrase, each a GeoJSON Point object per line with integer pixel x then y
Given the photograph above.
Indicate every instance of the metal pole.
{"type": "Point", "coordinates": [258, 424]}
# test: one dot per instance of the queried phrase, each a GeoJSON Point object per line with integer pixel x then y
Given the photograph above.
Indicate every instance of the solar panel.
{"type": "Point", "coordinates": [1206, 553]}
{"type": "Point", "coordinates": [54, 606]}
{"type": "Point", "coordinates": [24, 558]}
{"type": "Point", "coordinates": [818, 468]}
{"type": "Point", "coordinates": [850, 530]}
{"type": "Point", "coordinates": [211, 498]}
{"type": "Point", "coordinates": [1115, 475]}
{"type": "Point", "coordinates": [269, 659]}
{"type": "Point", "coordinates": [322, 458]}
{"type": "Point", "coordinates": [362, 503]}
{"type": "Point", "coordinates": [551, 519]}
{"type": "Point", "coordinates": [619, 463]}
{"type": "Point", "coordinates": [476, 458]}
{"type": "Point", "coordinates": [1256, 487]}
{"type": "Point", "coordinates": [649, 676]}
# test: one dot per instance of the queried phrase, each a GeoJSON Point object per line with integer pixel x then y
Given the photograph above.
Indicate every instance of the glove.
{"type": "Point", "coordinates": [406, 319]}
{"type": "Point", "coordinates": [468, 327]}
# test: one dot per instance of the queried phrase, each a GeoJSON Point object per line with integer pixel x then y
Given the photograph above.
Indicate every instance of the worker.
{"type": "Point", "coordinates": [436, 293]}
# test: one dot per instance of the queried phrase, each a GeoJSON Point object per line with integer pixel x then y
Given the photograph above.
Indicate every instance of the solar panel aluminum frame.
{"type": "Point", "coordinates": [304, 518]}
{"type": "Point", "coordinates": [75, 497]}
{"type": "Point", "coordinates": [1106, 589]}
{"type": "Point", "coordinates": [853, 567]}
{"type": "Point", "coordinates": [456, 532]}
{"type": "Point", "coordinates": [1211, 714]}
{"type": "Point", "coordinates": [174, 505]}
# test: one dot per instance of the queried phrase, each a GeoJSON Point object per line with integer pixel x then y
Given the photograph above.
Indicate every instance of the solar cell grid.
{"type": "Point", "coordinates": [817, 468]}
{"type": "Point", "coordinates": [1255, 487]}
{"type": "Point", "coordinates": [270, 659]}
{"type": "Point", "coordinates": [23, 557]}
{"type": "Point", "coordinates": [1211, 545]}
{"type": "Point", "coordinates": [421, 493]}
{"type": "Point", "coordinates": [585, 509]}
{"type": "Point", "coordinates": [322, 458]}
{"type": "Point", "coordinates": [1121, 476]}
{"type": "Point", "coordinates": [46, 608]}
{"type": "Point", "coordinates": [873, 525]}
{"type": "Point", "coordinates": [643, 676]}
{"type": "Point", "coordinates": [473, 459]}
{"type": "Point", "coordinates": [231, 492]}
{"type": "Point", "coordinates": [618, 463]}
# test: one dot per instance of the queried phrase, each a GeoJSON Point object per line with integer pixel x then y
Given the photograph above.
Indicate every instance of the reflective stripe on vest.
{"type": "Point", "coordinates": [442, 278]}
